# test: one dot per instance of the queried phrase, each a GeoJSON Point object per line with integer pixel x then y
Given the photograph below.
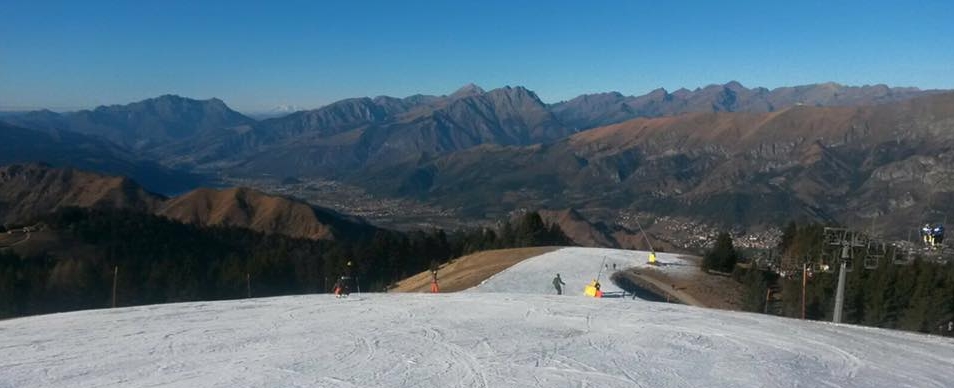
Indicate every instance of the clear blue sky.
{"type": "Point", "coordinates": [257, 55]}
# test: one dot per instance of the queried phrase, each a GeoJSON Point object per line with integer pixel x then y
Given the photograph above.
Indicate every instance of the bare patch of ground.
{"type": "Point", "coordinates": [697, 289]}
{"type": "Point", "coordinates": [11, 239]}
{"type": "Point", "coordinates": [694, 288]}
{"type": "Point", "coordinates": [468, 271]}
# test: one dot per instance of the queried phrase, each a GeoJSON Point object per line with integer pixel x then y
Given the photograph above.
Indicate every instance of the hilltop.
{"type": "Point", "coordinates": [31, 191]}
{"type": "Point", "coordinates": [483, 338]}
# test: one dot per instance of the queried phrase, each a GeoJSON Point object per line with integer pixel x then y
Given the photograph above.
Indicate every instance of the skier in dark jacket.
{"type": "Point", "coordinates": [558, 284]}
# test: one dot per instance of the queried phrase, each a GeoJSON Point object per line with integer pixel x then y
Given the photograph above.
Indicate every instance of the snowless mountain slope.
{"type": "Point", "coordinates": [469, 339]}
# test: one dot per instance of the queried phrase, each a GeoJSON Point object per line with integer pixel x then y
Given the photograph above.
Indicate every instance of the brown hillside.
{"type": "Point", "coordinates": [468, 271]}
{"type": "Point", "coordinates": [247, 208]}
{"type": "Point", "coordinates": [31, 190]}
{"type": "Point", "coordinates": [597, 234]}
{"type": "Point", "coordinates": [801, 125]}
{"type": "Point", "coordinates": [581, 230]}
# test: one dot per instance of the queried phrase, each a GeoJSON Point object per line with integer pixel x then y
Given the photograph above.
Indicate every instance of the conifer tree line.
{"type": "Point", "coordinates": [915, 296]}
{"type": "Point", "coordinates": [160, 260]}
{"type": "Point", "coordinates": [722, 257]}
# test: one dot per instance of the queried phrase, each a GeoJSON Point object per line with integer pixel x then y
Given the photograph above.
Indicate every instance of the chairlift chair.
{"type": "Point", "coordinates": [860, 240]}
{"type": "Point", "coordinates": [835, 236]}
{"type": "Point", "coordinates": [894, 255]}
{"type": "Point", "coordinates": [947, 254]}
{"type": "Point", "coordinates": [876, 251]}
{"type": "Point", "coordinates": [877, 248]}
{"type": "Point", "coordinates": [905, 258]}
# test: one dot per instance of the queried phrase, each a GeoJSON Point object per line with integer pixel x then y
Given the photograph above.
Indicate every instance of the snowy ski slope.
{"type": "Point", "coordinates": [470, 339]}
{"type": "Point", "coordinates": [577, 267]}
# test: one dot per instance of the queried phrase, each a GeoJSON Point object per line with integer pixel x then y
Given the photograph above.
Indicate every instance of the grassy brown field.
{"type": "Point", "coordinates": [468, 271]}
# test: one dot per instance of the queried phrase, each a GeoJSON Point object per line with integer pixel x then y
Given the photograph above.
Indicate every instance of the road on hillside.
{"type": "Point", "coordinates": [23, 240]}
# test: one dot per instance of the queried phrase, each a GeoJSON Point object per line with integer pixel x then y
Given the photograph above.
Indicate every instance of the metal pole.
{"type": "Point", "coordinates": [768, 294]}
{"type": "Point", "coordinates": [248, 284]}
{"type": "Point", "coordinates": [600, 274]}
{"type": "Point", "coordinates": [840, 294]}
{"type": "Point", "coordinates": [804, 284]}
{"type": "Point", "coordinates": [115, 277]}
{"type": "Point", "coordinates": [645, 236]}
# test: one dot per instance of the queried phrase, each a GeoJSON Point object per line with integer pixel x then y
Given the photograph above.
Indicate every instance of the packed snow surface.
{"type": "Point", "coordinates": [578, 267]}
{"type": "Point", "coordinates": [470, 339]}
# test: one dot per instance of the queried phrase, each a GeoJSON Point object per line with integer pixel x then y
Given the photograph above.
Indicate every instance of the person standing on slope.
{"type": "Point", "coordinates": [338, 289]}
{"type": "Point", "coordinates": [434, 287]}
{"type": "Point", "coordinates": [558, 284]}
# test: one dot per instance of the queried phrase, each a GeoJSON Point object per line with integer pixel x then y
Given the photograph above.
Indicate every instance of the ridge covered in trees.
{"type": "Point", "coordinates": [916, 296]}
{"type": "Point", "coordinates": [160, 260]}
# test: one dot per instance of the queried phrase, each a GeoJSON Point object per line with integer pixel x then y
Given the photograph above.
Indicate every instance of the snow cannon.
{"type": "Point", "coordinates": [593, 290]}
{"type": "Point", "coordinates": [652, 258]}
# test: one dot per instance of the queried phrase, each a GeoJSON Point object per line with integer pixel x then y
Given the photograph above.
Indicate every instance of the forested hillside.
{"type": "Point", "coordinates": [160, 260]}
{"type": "Point", "coordinates": [915, 295]}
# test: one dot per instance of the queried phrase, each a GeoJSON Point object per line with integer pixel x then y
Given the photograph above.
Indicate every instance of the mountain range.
{"type": "Point", "coordinates": [725, 154]}
{"type": "Point", "coordinates": [593, 110]}
{"type": "Point", "coordinates": [887, 165]}
{"type": "Point", "coordinates": [141, 125]}
{"type": "Point", "coordinates": [64, 148]}
{"type": "Point", "coordinates": [206, 135]}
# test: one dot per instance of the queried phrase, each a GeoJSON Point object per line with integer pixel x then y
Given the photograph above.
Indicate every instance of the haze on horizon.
{"type": "Point", "coordinates": [255, 57]}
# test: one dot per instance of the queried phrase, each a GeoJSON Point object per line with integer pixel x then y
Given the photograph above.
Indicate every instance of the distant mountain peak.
{"type": "Point", "coordinates": [658, 93]}
{"type": "Point", "coordinates": [512, 90]}
{"type": "Point", "coordinates": [170, 98]}
{"type": "Point", "coordinates": [734, 86]}
{"type": "Point", "coordinates": [286, 108]}
{"type": "Point", "coordinates": [468, 90]}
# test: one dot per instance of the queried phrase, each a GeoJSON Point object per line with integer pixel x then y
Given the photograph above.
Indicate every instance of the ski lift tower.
{"type": "Point", "coordinates": [872, 250]}
{"type": "Point", "coordinates": [847, 240]}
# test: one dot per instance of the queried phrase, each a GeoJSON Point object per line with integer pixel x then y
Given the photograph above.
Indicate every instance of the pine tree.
{"type": "Point", "coordinates": [530, 231]}
{"type": "Point", "coordinates": [756, 287]}
{"type": "Point", "coordinates": [788, 237]}
{"type": "Point", "coordinates": [722, 257]}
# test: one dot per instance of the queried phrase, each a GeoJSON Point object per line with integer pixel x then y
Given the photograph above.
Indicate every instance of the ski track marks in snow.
{"type": "Point", "coordinates": [483, 338]}
{"type": "Point", "coordinates": [577, 267]}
